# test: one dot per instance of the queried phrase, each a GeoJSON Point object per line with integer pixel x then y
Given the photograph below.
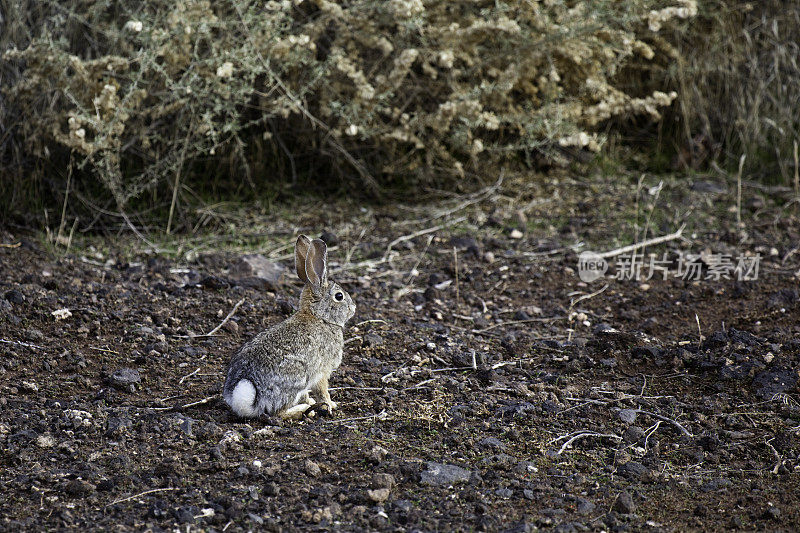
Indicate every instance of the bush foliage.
{"type": "Point", "coordinates": [147, 96]}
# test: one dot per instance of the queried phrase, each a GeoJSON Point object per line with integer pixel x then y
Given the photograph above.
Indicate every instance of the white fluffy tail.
{"type": "Point", "coordinates": [242, 399]}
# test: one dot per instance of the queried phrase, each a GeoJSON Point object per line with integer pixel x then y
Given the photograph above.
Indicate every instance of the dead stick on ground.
{"type": "Point", "coordinates": [644, 244]}
{"type": "Point", "coordinates": [216, 329]}
{"type": "Point", "coordinates": [665, 419]}
{"type": "Point", "coordinates": [20, 343]}
{"type": "Point", "coordinates": [187, 376]}
{"type": "Point", "coordinates": [186, 406]}
{"type": "Point", "coordinates": [380, 416]}
{"type": "Point", "coordinates": [587, 434]}
{"type": "Point", "coordinates": [145, 493]}
{"type": "Point", "coordinates": [420, 233]}
{"type": "Point", "coordinates": [5, 245]}
{"type": "Point", "coordinates": [796, 172]}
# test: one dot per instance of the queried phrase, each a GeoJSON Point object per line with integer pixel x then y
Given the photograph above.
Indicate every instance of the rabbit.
{"type": "Point", "coordinates": [274, 372]}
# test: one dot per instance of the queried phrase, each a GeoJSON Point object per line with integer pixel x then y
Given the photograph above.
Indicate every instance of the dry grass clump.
{"type": "Point", "coordinates": [736, 70]}
{"type": "Point", "coordinates": [153, 96]}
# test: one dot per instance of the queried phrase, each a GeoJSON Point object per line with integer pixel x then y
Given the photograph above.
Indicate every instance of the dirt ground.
{"type": "Point", "coordinates": [484, 386]}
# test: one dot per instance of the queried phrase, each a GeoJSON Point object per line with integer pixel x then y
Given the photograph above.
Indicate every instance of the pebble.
{"type": "Point", "coordinates": [14, 296]}
{"type": "Point", "coordinates": [624, 503]}
{"type": "Point", "coordinates": [379, 495]}
{"type": "Point", "coordinates": [312, 468]}
{"type": "Point", "coordinates": [382, 480]}
{"type": "Point", "coordinates": [585, 507]}
{"type": "Point", "coordinates": [377, 454]}
{"type": "Point", "coordinates": [372, 340]}
{"type": "Point", "coordinates": [330, 238]}
{"type": "Point", "coordinates": [29, 386]}
{"type": "Point", "coordinates": [45, 441]}
{"type": "Point", "coordinates": [634, 469]}
{"type": "Point", "coordinates": [628, 415]}
{"type": "Point", "coordinates": [125, 377]}
{"type": "Point", "coordinates": [33, 335]}
{"type": "Point", "coordinates": [443, 475]}
{"type": "Point", "coordinates": [516, 234]}
{"type": "Point", "coordinates": [492, 443]}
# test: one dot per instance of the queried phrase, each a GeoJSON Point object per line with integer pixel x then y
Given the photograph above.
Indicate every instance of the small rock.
{"type": "Point", "coordinates": [444, 475]}
{"type": "Point", "coordinates": [403, 506]}
{"type": "Point", "coordinates": [14, 296]}
{"type": "Point", "coordinates": [377, 454]}
{"type": "Point", "coordinates": [492, 443]}
{"type": "Point", "coordinates": [45, 441]}
{"type": "Point", "coordinates": [330, 238]}
{"type": "Point", "coordinates": [117, 425]}
{"type": "Point", "coordinates": [634, 469]}
{"type": "Point", "coordinates": [33, 335]}
{"type": "Point", "coordinates": [258, 266]}
{"type": "Point", "coordinates": [30, 386]}
{"type": "Point", "coordinates": [379, 495]}
{"type": "Point", "coordinates": [382, 480]}
{"type": "Point", "coordinates": [78, 487]}
{"type": "Point", "coordinates": [585, 507]}
{"type": "Point", "coordinates": [214, 283]}
{"type": "Point", "coordinates": [312, 468]}
{"type": "Point", "coordinates": [624, 503]}
{"type": "Point", "coordinates": [125, 377]}
{"type": "Point", "coordinates": [184, 515]}
{"type": "Point", "coordinates": [504, 493]}
{"type": "Point", "coordinates": [372, 340]}
{"type": "Point", "coordinates": [633, 434]}
{"type": "Point", "coordinates": [715, 485]}
{"type": "Point", "coordinates": [628, 415]}
{"type": "Point", "coordinates": [516, 234]}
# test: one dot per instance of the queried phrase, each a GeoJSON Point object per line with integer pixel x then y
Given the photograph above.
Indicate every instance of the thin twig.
{"type": "Point", "coordinates": [777, 467]}
{"type": "Point", "coordinates": [151, 491]}
{"type": "Point", "coordinates": [584, 435]}
{"type": "Point", "coordinates": [666, 419]}
{"type": "Point", "coordinates": [643, 244]}
{"type": "Point", "coordinates": [213, 331]}
{"type": "Point", "coordinates": [186, 406]}
{"type": "Point", "coordinates": [739, 191]}
{"type": "Point", "coordinates": [25, 344]}
{"type": "Point", "coordinates": [420, 233]}
{"type": "Point", "coordinates": [796, 171]}
{"type": "Point", "coordinates": [380, 416]}
{"type": "Point", "coordinates": [6, 245]}
{"type": "Point", "coordinates": [187, 376]}
{"type": "Point", "coordinates": [103, 350]}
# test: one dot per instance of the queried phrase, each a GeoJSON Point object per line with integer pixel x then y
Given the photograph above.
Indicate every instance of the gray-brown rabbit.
{"type": "Point", "coordinates": [275, 371]}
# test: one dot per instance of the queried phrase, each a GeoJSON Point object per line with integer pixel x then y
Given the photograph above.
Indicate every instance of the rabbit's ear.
{"type": "Point", "coordinates": [301, 249]}
{"type": "Point", "coordinates": [320, 260]}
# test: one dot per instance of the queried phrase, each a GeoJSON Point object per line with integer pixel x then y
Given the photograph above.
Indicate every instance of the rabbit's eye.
{"type": "Point", "coordinates": [339, 296]}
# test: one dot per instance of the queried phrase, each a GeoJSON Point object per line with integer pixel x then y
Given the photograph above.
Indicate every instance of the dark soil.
{"type": "Point", "coordinates": [607, 413]}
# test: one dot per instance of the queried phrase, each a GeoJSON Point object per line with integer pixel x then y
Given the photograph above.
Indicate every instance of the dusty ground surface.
{"type": "Point", "coordinates": [651, 405]}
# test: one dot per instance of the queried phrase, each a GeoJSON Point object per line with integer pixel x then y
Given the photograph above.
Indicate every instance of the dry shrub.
{"type": "Point", "coordinates": [736, 69]}
{"type": "Point", "coordinates": [370, 92]}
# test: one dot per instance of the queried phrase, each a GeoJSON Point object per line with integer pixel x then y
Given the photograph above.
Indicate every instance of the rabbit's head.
{"type": "Point", "coordinates": [325, 299]}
